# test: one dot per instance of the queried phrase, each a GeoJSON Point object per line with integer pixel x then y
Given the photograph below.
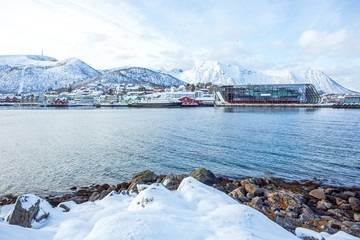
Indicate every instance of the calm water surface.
{"type": "Point", "coordinates": [54, 149]}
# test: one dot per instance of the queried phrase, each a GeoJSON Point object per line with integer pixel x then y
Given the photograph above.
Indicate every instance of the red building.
{"type": "Point", "coordinates": [186, 101]}
{"type": "Point", "coordinates": [61, 101]}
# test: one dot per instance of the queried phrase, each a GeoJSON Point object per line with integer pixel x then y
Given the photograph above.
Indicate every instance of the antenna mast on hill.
{"type": "Point", "coordinates": [42, 52]}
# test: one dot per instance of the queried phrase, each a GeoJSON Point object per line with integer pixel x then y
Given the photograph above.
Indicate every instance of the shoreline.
{"type": "Point", "coordinates": [310, 204]}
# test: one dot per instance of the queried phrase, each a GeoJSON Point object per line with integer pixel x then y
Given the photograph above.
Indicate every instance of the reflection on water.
{"type": "Point", "coordinates": [54, 149]}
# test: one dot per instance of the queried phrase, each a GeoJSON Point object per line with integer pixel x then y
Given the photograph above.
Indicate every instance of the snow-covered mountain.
{"type": "Point", "coordinates": [31, 73]}
{"type": "Point", "coordinates": [220, 74]}
{"type": "Point", "coordinates": [132, 75]}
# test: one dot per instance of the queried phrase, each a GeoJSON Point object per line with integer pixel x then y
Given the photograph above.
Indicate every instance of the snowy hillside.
{"type": "Point", "coordinates": [132, 75]}
{"type": "Point", "coordinates": [220, 74]}
{"type": "Point", "coordinates": [25, 74]}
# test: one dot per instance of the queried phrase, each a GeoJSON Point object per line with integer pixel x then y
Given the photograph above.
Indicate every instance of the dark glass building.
{"type": "Point", "coordinates": [267, 94]}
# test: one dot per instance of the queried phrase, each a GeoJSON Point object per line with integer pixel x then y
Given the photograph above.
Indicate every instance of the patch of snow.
{"type": "Point", "coordinates": [304, 232]}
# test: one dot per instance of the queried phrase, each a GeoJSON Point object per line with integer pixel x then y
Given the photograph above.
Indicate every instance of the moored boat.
{"type": "Point", "coordinates": [157, 103]}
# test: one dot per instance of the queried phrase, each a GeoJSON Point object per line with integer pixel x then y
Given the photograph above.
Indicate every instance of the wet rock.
{"type": "Point", "coordinates": [318, 193]}
{"type": "Point", "coordinates": [28, 208]}
{"type": "Point", "coordinates": [203, 175]}
{"type": "Point", "coordinates": [354, 203]}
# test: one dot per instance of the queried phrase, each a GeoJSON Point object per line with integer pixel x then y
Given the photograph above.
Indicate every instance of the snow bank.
{"type": "Point", "coordinates": [194, 211]}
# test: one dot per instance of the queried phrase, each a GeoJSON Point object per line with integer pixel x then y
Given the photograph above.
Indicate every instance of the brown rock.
{"type": "Point", "coordinates": [285, 223]}
{"type": "Point", "coordinates": [252, 188]}
{"type": "Point", "coordinates": [285, 198]}
{"type": "Point", "coordinates": [345, 207]}
{"type": "Point", "coordinates": [66, 208]}
{"type": "Point", "coordinates": [250, 195]}
{"type": "Point", "coordinates": [336, 212]}
{"type": "Point", "coordinates": [355, 203]}
{"type": "Point", "coordinates": [146, 176]}
{"type": "Point", "coordinates": [357, 217]}
{"type": "Point", "coordinates": [172, 182]}
{"type": "Point", "coordinates": [203, 175]}
{"type": "Point", "coordinates": [320, 205]}
{"type": "Point", "coordinates": [257, 201]}
{"type": "Point", "coordinates": [318, 193]}
{"type": "Point", "coordinates": [24, 216]}
{"type": "Point", "coordinates": [340, 201]}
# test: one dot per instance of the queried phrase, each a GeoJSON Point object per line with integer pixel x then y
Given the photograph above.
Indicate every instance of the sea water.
{"type": "Point", "coordinates": [54, 149]}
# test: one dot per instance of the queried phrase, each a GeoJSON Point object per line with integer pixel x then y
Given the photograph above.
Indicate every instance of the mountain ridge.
{"type": "Point", "coordinates": [222, 74]}
{"type": "Point", "coordinates": [37, 73]}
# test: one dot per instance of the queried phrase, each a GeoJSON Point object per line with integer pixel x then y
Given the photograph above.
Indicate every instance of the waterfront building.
{"type": "Point", "coordinates": [352, 99]}
{"type": "Point", "coordinates": [266, 94]}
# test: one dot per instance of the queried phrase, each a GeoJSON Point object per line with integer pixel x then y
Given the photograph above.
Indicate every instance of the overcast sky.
{"type": "Point", "coordinates": [265, 34]}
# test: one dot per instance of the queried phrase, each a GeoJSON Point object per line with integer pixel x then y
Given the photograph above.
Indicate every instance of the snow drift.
{"type": "Point", "coordinates": [194, 211]}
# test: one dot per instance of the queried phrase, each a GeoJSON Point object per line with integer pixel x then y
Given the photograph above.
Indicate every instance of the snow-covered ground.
{"type": "Point", "coordinates": [194, 211]}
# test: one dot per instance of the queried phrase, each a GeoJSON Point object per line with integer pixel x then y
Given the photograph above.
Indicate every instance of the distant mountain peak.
{"type": "Point", "coordinates": [221, 74]}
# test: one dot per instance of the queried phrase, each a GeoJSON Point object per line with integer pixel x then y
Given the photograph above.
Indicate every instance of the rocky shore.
{"type": "Point", "coordinates": [308, 204]}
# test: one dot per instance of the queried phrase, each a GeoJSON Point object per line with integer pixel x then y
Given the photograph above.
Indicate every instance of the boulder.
{"type": "Point", "coordinates": [357, 217]}
{"type": "Point", "coordinates": [63, 205]}
{"type": "Point", "coordinates": [240, 192]}
{"type": "Point", "coordinates": [257, 201]}
{"type": "Point", "coordinates": [340, 201]}
{"type": "Point", "coordinates": [354, 203]}
{"type": "Point", "coordinates": [146, 176]}
{"type": "Point", "coordinates": [94, 196]}
{"type": "Point", "coordinates": [28, 208]}
{"type": "Point", "coordinates": [336, 212]}
{"type": "Point", "coordinates": [203, 175]}
{"type": "Point", "coordinates": [172, 182]}
{"type": "Point", "coordinates": [285, 223]}
{"type": "Point", "coordinates": [318, 193]}
{"type": "Point", "coordinates": [285, 198]}
{"type": "Point", "coordinates": [252, 187]}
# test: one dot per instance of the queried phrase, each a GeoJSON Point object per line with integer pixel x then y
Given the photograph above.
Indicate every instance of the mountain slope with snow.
{"type": "Point", "coordinates": [222, 74]}
{"type": "Point", "coordinates": [24, 74]}
{"type": "Point", "coordinates": [132, 75]}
